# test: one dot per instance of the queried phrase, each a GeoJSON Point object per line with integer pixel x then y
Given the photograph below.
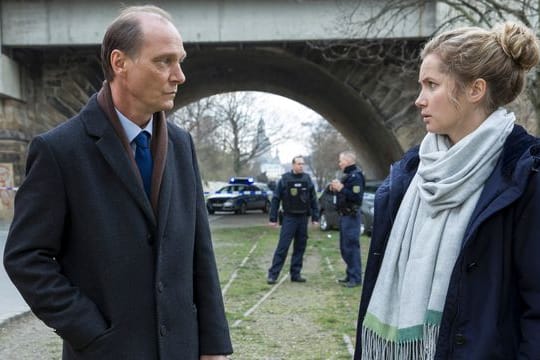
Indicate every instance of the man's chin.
{"type": "Point", "coordinates": [166, 106]}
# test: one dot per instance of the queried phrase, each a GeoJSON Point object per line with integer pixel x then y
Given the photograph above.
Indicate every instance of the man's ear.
{"type": "Point", "coordinates": [118, 62]}
{"type": "Point", "coordinates": [476, 91]}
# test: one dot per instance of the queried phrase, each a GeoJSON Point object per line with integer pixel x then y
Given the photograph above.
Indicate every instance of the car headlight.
{"type": "Point", "coordinates": [228, 203]}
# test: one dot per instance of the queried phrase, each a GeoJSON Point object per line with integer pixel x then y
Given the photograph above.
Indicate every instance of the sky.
{"type": "Point", "coordinates": [292, 117]}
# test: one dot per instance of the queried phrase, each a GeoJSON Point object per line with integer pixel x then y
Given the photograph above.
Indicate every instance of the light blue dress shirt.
{"type": "Point", "coordinates": [132, 130]}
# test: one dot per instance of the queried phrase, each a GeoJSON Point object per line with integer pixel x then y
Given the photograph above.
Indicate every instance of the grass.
{"type": "Point", "coordinates": [296, 321]}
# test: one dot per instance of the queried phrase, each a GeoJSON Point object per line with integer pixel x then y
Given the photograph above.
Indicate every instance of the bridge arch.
{"type": "Point", "coordinates": [215, 70]}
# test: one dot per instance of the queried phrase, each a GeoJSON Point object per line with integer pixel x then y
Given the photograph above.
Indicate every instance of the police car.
{"type": "Point", "coordinates": [240, 195]}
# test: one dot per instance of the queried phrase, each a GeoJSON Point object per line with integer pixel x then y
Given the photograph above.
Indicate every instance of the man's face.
{"type": "Point", "coordinates": [343, 162]}
{"type": "Point", "coordinates": [298, 165]}
{"type": "Point", "coordinates": [152, 76]}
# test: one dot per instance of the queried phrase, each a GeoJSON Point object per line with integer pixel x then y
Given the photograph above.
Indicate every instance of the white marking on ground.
{"type": "Point", "coordinates": [214, 218]}
{"type": "Point", "coordinates": [254, 307]}
{"type": "Point", "coordinates": [349, 344]}
{"type": "Point", "coordinates": [235, 272]}
{"type": "Point", "coordinates": [329, 264]}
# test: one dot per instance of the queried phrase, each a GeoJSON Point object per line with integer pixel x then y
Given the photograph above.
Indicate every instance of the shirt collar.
{"type": "Point", "coordinates": [130, 128]}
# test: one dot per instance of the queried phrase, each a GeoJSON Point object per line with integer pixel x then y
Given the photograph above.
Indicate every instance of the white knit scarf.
{"type": "Point", "coordinates": [404, 313]}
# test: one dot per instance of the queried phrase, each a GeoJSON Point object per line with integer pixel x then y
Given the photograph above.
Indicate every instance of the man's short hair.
{"type": "Point", "coordinates": [296, 157]}
{"type": "Point", "coordinates": [349, 155]}
{"type": "Point", "coordinates": [125, 34]}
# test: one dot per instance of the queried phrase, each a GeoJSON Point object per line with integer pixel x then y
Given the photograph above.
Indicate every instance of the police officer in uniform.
{"type": "Point", "coordinates": [349, 193]}
{"type": "Point", "coordinates": [296, 193]}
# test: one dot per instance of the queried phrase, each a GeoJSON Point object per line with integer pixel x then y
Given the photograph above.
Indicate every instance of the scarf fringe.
{"type": "Point", "coordinates": [375, 347]}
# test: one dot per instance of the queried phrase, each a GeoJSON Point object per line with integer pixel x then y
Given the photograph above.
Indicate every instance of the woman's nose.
{"type": "Point", "coordinates": [420, 101]}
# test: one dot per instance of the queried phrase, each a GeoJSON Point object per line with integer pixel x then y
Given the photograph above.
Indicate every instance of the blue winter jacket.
{"type": "Point", "coordinates": [492, 308]}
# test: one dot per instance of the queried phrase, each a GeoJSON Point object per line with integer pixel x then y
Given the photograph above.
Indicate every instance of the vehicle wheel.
{"type": "Point", "coordinates": [266, 208]}
{"type": "Point", "coordinates": [242, 209]}
{"type": "Point", "coordinates": [323, 223]}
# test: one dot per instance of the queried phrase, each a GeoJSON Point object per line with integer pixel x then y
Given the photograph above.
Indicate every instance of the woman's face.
{"type": "Point", "coordinates": [440, 114]}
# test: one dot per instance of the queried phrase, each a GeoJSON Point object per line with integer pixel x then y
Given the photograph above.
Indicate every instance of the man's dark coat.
{"type": "Point", "coordinates": [116, 277]}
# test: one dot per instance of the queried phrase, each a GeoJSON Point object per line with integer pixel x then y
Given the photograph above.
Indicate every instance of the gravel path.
{"type": "Point", "coordinates": [27, 338]}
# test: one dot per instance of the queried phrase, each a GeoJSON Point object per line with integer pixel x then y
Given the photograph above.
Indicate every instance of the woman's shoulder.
{"type": "Point", "coordinates": [519, 148]}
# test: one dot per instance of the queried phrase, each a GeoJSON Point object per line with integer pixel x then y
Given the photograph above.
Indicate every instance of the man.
{"type": "Point", "coordinates": [110, 243]}
{"type": "Point", "coordinates": [349, 193]}
{"type": "Point", "coordinates": [296, 192]}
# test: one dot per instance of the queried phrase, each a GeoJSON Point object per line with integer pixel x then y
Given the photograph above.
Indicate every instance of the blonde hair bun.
{"type": "Point", "coordinates": [519, 43]}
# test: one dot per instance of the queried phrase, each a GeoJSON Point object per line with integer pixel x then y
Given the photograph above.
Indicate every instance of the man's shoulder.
{"type": "Point", "coordinates": [176, 132]}
{"type": "Point", "coordinates": [286, 175]}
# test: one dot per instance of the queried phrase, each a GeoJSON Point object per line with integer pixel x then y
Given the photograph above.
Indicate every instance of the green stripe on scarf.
{"type": "Point", "coordinates": [391, 333]}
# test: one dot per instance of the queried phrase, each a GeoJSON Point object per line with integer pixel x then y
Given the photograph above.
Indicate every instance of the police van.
{"type": "Point", "coordinates": [240, 195]}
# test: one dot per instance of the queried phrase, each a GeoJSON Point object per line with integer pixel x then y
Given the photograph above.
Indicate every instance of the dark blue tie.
{"type": "Point", "coordinates": [143, 158]}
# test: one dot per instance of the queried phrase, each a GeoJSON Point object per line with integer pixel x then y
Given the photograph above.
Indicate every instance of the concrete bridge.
{"type": "Point", "coordinates": [50, 65]}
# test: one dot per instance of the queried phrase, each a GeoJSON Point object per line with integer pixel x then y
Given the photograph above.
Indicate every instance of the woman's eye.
{"type": "Point", "coordinates": [432, 85]}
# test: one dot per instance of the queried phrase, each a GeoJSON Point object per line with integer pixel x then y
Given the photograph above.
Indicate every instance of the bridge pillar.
{"type": "Point", "coordinates": [55, 85]}
{"type": "Point", "coordinates": [14, 120]}
{"type": "Point", "coordinates": [13, 142]}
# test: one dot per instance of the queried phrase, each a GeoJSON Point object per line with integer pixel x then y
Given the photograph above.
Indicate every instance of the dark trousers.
{"type": "Point", "coordinates": [293, 226]}
{"type": "Point", "coordinates": [349, 245]}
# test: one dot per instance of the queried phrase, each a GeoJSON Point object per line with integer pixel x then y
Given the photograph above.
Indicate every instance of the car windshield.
{"type": "Point", "coordinates": [230, 189]}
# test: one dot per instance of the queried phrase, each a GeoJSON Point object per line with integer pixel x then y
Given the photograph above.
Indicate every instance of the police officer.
{"type": "Point", "coordinates": [296, 192]}
{"type": "Point", "coordinates": [349, 192]}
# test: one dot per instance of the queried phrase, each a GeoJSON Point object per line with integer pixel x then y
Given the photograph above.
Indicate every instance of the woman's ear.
{"type": "Point", "coordinates": [476, 91]}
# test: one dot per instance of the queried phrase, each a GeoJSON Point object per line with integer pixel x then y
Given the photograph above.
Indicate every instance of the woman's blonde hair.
{"type": "Point", "coordinates": [501, 56]}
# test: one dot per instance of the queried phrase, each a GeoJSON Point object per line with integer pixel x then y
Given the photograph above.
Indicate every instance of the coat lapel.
{"type": "Point", "coordinates": [114, 146]}
{"type": "Point", "coordinates": [165, 189]}
{"type": "Point", "coordinates": [115, 155]}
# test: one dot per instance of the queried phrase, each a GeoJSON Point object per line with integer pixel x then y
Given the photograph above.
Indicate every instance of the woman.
{"type": "Point", "coordinates": [454, 266]}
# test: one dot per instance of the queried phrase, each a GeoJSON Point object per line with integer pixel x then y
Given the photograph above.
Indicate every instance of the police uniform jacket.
{"type": "Point", "coordinates": [492, 308]}
{"type": "Point", "coordinates": [350, 196]}
{"type": "Point", "coordinates": [312, 208]}
{"type": "Point", "coordinates": [115, 275]}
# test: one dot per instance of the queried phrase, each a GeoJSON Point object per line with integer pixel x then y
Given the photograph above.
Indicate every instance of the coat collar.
{"type": "Point", "coordinates": [509, 178]}
{"type": "Point", "coordinates": [116, 150]}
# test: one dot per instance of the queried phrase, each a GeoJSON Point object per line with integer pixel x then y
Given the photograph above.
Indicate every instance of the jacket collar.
{"type": "Point", "coordinates": [509, 178]}
{"type": "Point", "coordinates": [349, 169]}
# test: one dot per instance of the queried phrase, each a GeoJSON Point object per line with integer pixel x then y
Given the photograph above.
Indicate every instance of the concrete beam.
{"type": "Point", "coordinates": [10, 78]}
{"type": "Point", "coordinates": [82, 22]}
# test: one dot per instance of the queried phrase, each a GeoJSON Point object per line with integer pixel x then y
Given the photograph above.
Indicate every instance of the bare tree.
{"type": "Point", "coordinates": [326, 143]}
{"type": "Point", "coordinates": [199, 119]}
{"type": "Point", "coordinates": [241, 129]}
{"type": "Point", "coordinates": [450, 13]}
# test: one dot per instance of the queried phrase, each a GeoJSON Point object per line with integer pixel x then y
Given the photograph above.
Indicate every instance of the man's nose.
{"type": "Point", "coordinates": [177, 75]}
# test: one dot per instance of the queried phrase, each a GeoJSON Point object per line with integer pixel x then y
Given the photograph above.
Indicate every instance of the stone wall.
{"type": "Point", "coordinates": [58, 84]}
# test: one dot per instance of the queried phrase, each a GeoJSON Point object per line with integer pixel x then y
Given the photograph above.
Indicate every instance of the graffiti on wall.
{"type": "Point", "coordinates": [7, 188]}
